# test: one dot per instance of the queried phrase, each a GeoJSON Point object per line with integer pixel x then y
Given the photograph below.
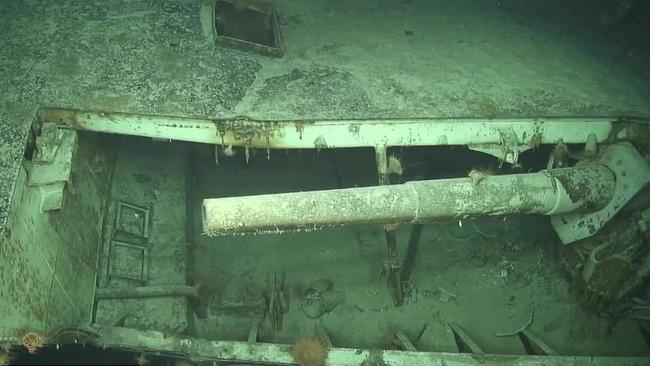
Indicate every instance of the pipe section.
{"type": "Point", "coordinates": [583, 188]}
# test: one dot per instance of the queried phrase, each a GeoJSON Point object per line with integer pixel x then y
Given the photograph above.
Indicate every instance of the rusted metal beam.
{"type": "Point", "coordinates": [583, 188]}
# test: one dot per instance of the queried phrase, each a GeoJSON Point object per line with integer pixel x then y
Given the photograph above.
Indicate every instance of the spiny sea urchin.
{"type": "Point", "coordinates": [309, 352]}
{"type": "Point", "coordinates": [33, 341]}
{"type": "Point", "coordinates": [395, 165]}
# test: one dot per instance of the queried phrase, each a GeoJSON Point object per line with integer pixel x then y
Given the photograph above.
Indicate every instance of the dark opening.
{"type": "Point", "coordinates": [77, 354]}
{"type": "Point", "coordinates": [30, 145]}
{"type": "Point", "coordinates": [244, 23]}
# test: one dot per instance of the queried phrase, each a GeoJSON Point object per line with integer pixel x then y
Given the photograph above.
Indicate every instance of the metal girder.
{"type": "Point", "coordinates": [202, 350]}
{"type": "Point", "coordinates": [507, 135]}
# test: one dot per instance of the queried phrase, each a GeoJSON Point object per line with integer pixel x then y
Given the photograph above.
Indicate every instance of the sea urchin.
{"type": "Point", "coordinates": [33, 341]}
{"type": "Point", "coordinates": [309, 352]}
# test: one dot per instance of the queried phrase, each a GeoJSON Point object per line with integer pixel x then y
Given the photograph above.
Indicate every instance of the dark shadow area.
{"type": "Point", "coordinates": [237, 21]}
{"type": "Point", "coordinates": [82, 355]}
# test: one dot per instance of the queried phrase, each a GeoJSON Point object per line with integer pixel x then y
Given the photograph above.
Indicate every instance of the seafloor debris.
{"type": "Point", "coordinates": [445, 295]}
{"type": "Point", "coordinates": [320, 299]}
{"type": "Point", "coordinates": [521, 329]}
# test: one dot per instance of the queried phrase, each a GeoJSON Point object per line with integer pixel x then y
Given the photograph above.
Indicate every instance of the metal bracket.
{"type": "Point", "coordinates": [507, 149]}
{"type": "Point", "coordinates": [632, 174]}
{"type": "Point", "coordinates": [51, 166]}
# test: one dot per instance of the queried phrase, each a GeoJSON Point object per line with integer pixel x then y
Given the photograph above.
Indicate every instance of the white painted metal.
{"type": "Point", "coordinates": [201, 350]}
{"type": "Point", "coordinates": [547, 192]}
{"type": "Point", "coordinates": [516, 134]}
{"type": "Point", "coordinates": [51, 165]}
{"type": "Point", "coordinates": [632, 173]}
{"type": "Point", "coordinates": [52, 161]}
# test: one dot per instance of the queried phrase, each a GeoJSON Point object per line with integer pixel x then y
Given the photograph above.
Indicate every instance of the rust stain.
{"type": "Point", "coordinates": [300, 126]}
{"type": "Point", "coordinates": [243, 131]}
{"type": "Point", "coordinates": [237, 131]}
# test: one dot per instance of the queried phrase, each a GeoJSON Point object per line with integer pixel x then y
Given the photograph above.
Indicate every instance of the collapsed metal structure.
{"type": "Point", "coordinates": [580, 199]}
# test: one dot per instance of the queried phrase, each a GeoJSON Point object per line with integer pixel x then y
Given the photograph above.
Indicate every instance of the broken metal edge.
{"type": "Point", "coordinates": [201, 350]}
{"type": "Point", "coordinates": [331, 133]}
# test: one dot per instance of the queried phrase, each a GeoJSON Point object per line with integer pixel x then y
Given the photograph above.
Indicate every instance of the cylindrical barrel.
{"type": "Point", "coordinates": [146, 291]}
{"type": "Point", "coordinates": [581, 188]}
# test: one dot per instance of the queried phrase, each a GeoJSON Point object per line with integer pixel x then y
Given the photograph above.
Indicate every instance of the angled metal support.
{"type": "Point", "coordinates": [464, 342]}
{"type": "Point", "coordinates": [534, 345]}
{"type": "Point", "coordinates": [403, 341]}
{"type": "Point", "coordinates": [254, 331]}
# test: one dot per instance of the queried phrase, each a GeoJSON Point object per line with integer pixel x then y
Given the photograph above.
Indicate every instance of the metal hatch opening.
{"type": "Point", "coordinates": [243, 25]}
{"type": "Point", "coordinates": [350, 240]}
